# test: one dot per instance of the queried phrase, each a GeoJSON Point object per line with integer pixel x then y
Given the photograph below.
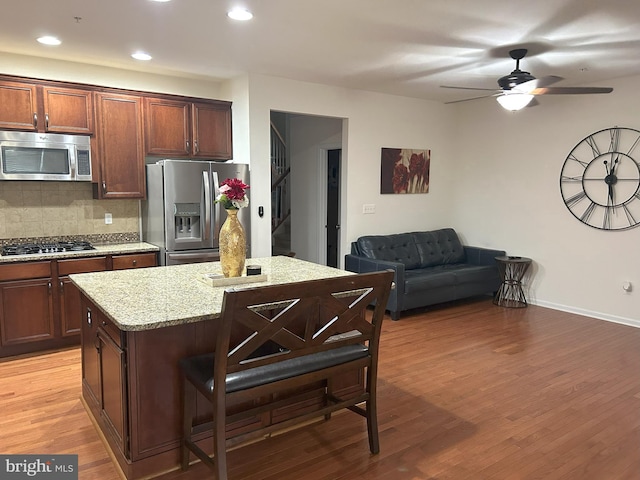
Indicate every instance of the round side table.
{"type": "Point", "coordinates": [512, 270]}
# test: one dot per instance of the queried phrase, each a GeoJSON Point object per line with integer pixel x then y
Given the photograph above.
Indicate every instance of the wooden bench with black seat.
{"type": "Point", "coordinates": [275, 338]}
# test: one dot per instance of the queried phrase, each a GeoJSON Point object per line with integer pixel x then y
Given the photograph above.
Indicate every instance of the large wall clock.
{"type": "Point", "coordinates": [600, 179]}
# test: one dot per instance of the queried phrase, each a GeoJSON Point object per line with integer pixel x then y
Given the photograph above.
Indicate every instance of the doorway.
{"type": "Point", "coordinates": [334, 157]}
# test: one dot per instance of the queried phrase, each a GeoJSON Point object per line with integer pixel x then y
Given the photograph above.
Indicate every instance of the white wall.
{"type": "Point", "coordinates": [506, 193]}
{"type": "Point", "coordinates": [373, 121]}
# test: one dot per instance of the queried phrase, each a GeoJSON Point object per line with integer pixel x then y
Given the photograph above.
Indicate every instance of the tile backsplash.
{"type": "Point", "coordinates": [56, 209]}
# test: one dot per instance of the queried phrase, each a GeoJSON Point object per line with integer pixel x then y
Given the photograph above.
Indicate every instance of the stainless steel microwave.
{"type": "Point", "coordinates": [44, 156]}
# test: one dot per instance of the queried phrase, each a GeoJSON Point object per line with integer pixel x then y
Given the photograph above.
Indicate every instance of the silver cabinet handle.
{"type": "Point", "coordinates": [35, 120]}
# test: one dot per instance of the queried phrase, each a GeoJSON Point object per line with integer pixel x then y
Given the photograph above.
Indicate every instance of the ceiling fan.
{"type": "Point", "coordinates": [518, 89]}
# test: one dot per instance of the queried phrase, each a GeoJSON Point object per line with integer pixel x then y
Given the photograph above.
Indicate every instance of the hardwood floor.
{"type": "Point", "coordinates": [466, 391]}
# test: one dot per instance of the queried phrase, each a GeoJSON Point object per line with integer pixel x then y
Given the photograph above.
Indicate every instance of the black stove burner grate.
{"type": "Point", "coordinates": [46, 247]}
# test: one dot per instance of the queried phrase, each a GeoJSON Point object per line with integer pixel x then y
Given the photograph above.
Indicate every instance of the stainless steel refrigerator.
{"type": "Point", "coordinates": [179, 214]}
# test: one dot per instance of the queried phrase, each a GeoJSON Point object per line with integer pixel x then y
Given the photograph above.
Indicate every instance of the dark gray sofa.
{"type": "Point", "coordinates": [430, 267]}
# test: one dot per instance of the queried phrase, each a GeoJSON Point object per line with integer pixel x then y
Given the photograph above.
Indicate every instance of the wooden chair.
{"type": "Point", "coordinates": [276, 338]}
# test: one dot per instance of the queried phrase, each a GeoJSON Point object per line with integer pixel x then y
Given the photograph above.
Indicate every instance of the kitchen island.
{"type": "Point", "coordinates": [137, 325]}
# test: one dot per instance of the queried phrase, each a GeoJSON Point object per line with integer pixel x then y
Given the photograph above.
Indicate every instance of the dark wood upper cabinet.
{"type": "Point", "coordinates": [31, 107]}
{"type": "Point", "coordinates": [167, 127]}
{"type": "Point", "coordinates": [125, 126]}
{"type": "Point", "coordinates": [18, 106]}
{"type": "Point", "coordinates": [188, 129]}
{"type": "Point", "coordinates": [211, 123]}
{"type": "Point", "coordinates": [68, 110]}
{"type": "Point", "coordinates": [119, 153]}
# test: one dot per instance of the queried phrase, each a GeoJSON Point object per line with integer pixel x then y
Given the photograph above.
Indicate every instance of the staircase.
{"type": "Point", "coordinates": [280, 195]}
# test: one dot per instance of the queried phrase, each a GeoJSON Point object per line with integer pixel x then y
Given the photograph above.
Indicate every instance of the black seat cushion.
{"type": "Point", "coordinates": [199, 369]}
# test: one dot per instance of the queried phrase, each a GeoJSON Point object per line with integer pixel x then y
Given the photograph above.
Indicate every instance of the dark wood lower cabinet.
{"type": "Point", "coordinates": [27, 313]}
{"type": "Point", "coordinates": [141, 369]}
{"type": "Point", "coordinates": [113, 387]}
{"type": "Point", "coordinates": [40, 306]}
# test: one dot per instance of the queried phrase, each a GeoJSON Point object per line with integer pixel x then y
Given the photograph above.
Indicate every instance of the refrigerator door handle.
{"type": "Point", "coordinates": [190, 256]}
{"type": "Point", "coordinates": [207, 205]}
{"type": "Point", "coordinates": [216, 228]}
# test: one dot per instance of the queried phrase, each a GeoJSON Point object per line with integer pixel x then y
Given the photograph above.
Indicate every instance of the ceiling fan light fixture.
{"type": "Point", "coordinates": [514, 101]}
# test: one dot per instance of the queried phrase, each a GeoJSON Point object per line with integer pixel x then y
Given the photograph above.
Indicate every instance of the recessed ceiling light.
{"type": "Point", "coordinates": [49, 40]}
{"type": "Point", "coordinates": [141, 56]}
{"type": "Point", "coordinates": [240, 14]}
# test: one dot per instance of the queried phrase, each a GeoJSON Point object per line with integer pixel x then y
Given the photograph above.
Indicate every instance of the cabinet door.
{"type": "Point", "coordinates": [18, 106]}
{"type": "Point", "coordinates": [120, 149]}
{"type": "Point", "coordinates": [167, 127]}
{"type": "Point", "coordinates": [68, 110]}
{"type": "Point", "coordinates": [211, 124]}
{"type": "Point", "coordinates": [90, 350]}
{"type": "Point", "coordinates": [69, 295]}
{"type": "Point", "coordinates": [113, 388]}
{"type": "Point", "coordinates": [70, 312]}
{"type": "Point", "coordinates": [26, 313]}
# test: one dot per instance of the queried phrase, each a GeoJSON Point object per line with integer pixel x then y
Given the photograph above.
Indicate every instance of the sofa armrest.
{"type": "Point", "coordinates": [358, 264]}
{"type": "Point", "coordinates": [482, 256]}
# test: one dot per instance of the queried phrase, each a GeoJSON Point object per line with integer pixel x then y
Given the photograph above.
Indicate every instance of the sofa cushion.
{"type": "Point", "coordinates": [423, 279]}
{"type": "Point", "coordinates": [439, 247]}
{"type": "Point", "coordinates": [399, 247]}
{"type": "Point", "coordinates": [477, 274]}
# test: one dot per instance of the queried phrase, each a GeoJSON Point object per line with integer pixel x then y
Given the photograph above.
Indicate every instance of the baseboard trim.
{"type": "Point", "coordinates": [589, 313]}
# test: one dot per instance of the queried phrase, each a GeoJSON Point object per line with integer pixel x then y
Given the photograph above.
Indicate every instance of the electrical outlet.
{"type": "Point", "coordinates": [108, 219]}
{"type": "Point", "coordinates": [369, 208]}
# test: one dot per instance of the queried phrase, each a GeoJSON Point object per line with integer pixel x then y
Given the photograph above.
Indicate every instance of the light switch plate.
{"type": "Point", "coordinates": [108, 219]}
{"type": "Point", "coordinates": [369, 208]}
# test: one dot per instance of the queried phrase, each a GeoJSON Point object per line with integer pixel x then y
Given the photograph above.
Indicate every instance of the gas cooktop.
{"type": "Point", "coordinates": [52, 247]}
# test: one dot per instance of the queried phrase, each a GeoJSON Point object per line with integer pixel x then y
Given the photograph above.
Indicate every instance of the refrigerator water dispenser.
{"type": "Point", "coordinates": [187, 218]}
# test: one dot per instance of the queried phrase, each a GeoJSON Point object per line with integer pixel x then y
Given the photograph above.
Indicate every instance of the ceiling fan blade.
{"type": "Point", "coordinates": [470, 88]}
{"type": "Point", "coordinates": [570, 90]}
{"type": "Point", "coordinates": [469, 99]}
{"type": "Point", "coordinates": [528, 87]}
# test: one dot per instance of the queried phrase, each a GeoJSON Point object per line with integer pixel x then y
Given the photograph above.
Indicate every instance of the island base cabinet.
{"type": "Point", "coordinates": [113, 385]}
{"type": "Point", "coordinates": [104, 375]}
{"type": "Point", "coordinates": [132, 387]}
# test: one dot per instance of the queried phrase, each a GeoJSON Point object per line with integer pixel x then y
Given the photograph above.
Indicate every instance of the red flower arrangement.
{"type": "Point", "coordinates": [233, 195]}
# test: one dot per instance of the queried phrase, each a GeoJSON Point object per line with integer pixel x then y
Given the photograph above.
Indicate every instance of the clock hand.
{"type": "Point", "coordinates": [614, 164]}
{"type": "Point", "coordinates": [612, 202]}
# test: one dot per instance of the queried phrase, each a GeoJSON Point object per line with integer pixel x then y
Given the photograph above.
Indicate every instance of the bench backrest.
{"type": "Point", "coordinates": [265, 325]}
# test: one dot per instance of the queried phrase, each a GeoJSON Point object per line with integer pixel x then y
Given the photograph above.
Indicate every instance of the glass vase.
{"type": "Point", "coordinates": [233, 245]}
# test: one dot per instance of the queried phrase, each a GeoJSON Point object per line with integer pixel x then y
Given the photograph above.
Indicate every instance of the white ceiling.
{"type": "Point", "coordinates": [403, 47]}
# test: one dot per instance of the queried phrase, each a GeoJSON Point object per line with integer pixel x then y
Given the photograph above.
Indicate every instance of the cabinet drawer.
{"type": "Point", "coordinates": [112, 331]}
{"type": "Point", "coordinates": [25, 271]}
{"type": "Point", "coordinates": [120, 262]}
{"type": "Point", "coordinates": [84, 265]}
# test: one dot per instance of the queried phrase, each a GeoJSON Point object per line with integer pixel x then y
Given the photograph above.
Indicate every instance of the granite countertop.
{"type": "Point", "coordinates": [156, 297]}
{"type": "Point", "coordinates": [105, 249]}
